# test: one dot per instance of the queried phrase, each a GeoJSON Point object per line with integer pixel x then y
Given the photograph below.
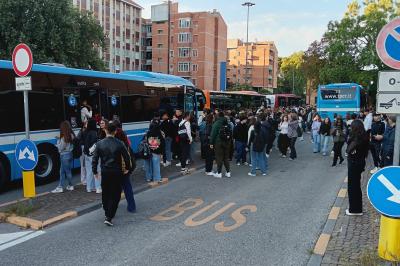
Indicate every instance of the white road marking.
{"type": "Point", "coordinates": [13, 239]}
{"type": "Point", "coordinates": [396, 193]}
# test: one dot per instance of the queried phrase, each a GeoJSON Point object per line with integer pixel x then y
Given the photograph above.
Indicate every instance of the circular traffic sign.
{"type": "Point", "coordinates": [383, 191]}
{"type": "Point", "coordinates": [22, 60]}
{"type": "Point", "coordinates": [26, 154]}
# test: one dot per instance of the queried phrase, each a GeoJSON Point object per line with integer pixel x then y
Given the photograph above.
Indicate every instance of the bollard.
{"type": "Point", "coordinates": [389, 239]}
{"type": "Point", "coordinates": [28, 178]}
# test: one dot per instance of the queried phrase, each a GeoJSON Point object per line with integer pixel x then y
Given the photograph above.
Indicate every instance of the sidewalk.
{"type": "Point", "coordinates": [354, 240]}
{"type": "Point", "coordinates": [70, 204]}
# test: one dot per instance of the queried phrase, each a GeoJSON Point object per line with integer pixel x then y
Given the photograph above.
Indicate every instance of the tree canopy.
{"type": "Point", "coordinates": [55, 31]}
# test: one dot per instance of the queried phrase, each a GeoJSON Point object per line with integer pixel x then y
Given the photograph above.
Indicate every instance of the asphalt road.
{"type": "Point", "coordinates": [269, 220]}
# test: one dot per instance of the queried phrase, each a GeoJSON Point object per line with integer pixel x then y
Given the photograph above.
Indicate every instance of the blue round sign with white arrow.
{"type": "Point", "coordinates": [384, 191]}
{"type": "Point", "coordinates": [114, 100]}
{"type": "Point", "coordinates": [72, 100]}
{"type": "Point", "coordinates": [26, 155]}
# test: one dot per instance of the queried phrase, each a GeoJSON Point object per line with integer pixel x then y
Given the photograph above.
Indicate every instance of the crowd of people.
{"type": "Point", "coordinates": [246, 138]}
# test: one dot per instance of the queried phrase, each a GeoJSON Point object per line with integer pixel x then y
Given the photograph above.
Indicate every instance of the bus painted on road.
{"type": "Point", "coordinates": [57, 94]}
{"type": "Point", "coordinates": [234, 100]}
{"type": "Point", "coordinates": [282, 100]}
{"type": "Point", "coordinates": [340, 99]}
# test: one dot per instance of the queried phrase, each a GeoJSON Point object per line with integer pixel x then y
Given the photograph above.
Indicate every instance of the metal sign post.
{"type": "Point", "coordinates": [384, 186]}
{"type": "Point", "coordinates": [26, 150]}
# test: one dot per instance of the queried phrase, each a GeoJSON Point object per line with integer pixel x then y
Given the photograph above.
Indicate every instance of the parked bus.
{"type": "Point", "coordinates": [57, 94]}
{"type": "Point", "coordinates": [340, 99]}
{"type": "Point", "coordinates": [283, 100]}
{"type": "Point", "coordinates": [234, 100]}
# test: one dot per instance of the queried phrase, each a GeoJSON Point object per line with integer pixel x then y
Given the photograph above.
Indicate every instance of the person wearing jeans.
{"type": "Point", "coordinates": [258, 144]}
{"type": "Point", "coordinates": [65, 147]}
{"type": "Point", "coordinates": [168, 128]}
{"type": "Point", "coordinates": [315, 134]}
{"type": "Point", "coordinates": [156, 144]}
{"type": "Point", "coordinates": [89, 139]}
{"type": "Point", "coordinates": [240, 136]}
{"type": "Point", "coordinates": [325, 133]}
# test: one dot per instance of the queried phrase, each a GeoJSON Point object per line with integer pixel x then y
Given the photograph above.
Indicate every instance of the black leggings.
{"type": "Point", "coordinates": [337, 149]}
{"type": "Point", "coordinates": [355, 168]}
{"type": "Point", "coordinates": [283, 143]}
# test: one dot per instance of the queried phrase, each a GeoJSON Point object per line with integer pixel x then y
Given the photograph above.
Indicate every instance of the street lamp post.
{"type": "Point", "coordinates": [248, 4]}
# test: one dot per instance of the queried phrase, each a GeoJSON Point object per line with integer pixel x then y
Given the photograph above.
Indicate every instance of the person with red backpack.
{"type": "Point", "coordinates": [221, 138]}
{"type": "Point", "coordinates": [155, 141]}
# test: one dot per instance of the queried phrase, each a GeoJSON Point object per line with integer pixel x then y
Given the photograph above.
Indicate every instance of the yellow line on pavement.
{"type": "Point", "coordinates": [342, 193]}
{"type": "Point", "coordinates": [322, 244]}
{"type": "Point", "coordinates": [334, 213]}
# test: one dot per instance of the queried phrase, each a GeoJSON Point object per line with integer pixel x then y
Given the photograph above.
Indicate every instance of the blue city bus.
{"type": "Point", "coordinates": [340, 99]}
{"type": "Point", "coordinates": [57, 93]}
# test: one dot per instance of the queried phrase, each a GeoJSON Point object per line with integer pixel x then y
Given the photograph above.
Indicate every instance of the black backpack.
{"type": "Point", "coordinates": [144, 150]}
{"type": "Point", "coordinates": [225, 132]}
{"type": "Point", "coordinates": [182, 132]}
{"type": "Point", "coordinates": [77, 148]}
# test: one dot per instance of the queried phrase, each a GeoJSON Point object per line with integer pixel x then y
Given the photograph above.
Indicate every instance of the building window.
{"type": "Point", "coordinates": [183, 67]}
{"type": "Point", "coordinates": [171, 53]}
{"type": "Point", "coordinates": [184, 52]}
{"type": "Point", "coordinates": [159, 59]}
{"type": "Point", "coordinates": [184, 23]}
{"type": "Point", "coordinates": [159, 45]}
{"type": "Point", "coordinates": [194, 81]}
{"type": "Point", "coordinates": [195, 53]}
{"type": "Point", "coordinates": [185, 37]}
{"type": "Point", "coordinates": [195, 67]}
{"type": "Point", "coordinates": [160, 31]}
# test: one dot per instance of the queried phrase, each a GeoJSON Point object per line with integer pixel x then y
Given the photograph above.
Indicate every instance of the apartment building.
{"type": "Point", "coordinates": [121, 21]}
{"type": "Point", "coordinates": [194, 46]}
{"type": "Point", "coordinates": [146, 45]}
{"type": "Point", "coordinates": [262, 66]}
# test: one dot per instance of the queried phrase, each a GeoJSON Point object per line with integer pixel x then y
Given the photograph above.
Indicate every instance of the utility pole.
{"type": "Point", "coordinates": [248, 4]}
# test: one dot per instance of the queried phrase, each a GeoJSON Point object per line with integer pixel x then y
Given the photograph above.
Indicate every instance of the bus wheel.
{"type": "Point", "coordinates": [4, 178]}
{"type": "Point", "coordinates": [48, 166]}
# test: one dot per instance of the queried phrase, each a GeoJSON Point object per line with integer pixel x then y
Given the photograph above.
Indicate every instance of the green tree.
{"type": "Point", "coordinates": [55, 31]}
{"type": "Point", "coordinates": [291, 76]}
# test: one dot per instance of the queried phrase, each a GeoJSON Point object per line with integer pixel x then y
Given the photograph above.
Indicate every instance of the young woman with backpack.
{"type": "Point", "coordinates": [65, 147]}
{"type": "Point", "coordinates": [258, 142]}
{"type": "Point", "coordinates": [185, 140]}
{"type": "Point", "coordinates": [155, 141]}
{"type": "Point", "coordinates": [221, 137]}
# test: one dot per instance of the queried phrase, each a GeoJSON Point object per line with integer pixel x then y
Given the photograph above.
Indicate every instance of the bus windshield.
{"type": "Point", "coordinates": [338, 94]}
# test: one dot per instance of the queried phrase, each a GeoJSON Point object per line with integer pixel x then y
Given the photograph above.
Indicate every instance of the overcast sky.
{"type": "Point", "coordinates": [292, 24]}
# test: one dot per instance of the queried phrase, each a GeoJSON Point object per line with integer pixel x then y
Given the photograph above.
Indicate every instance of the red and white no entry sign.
{"type": "Point", "coordinates": [22, 60]}
{"type": "Point", "coordinates": [388, 44]}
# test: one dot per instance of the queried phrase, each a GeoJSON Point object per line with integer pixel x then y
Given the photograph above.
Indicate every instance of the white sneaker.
{"type": "Point", "coordinates": [167, 164]}
{"type": "Point", "coordinates": [373, 171]}
{"type": "Point", "coordinates": [238, 164]}
{"type": "Point", "coordinates": [264, 174]}
{"type": "Point", "coordinates": [267, 155]}
{"type": "Point", "coordinates": [250, 174]}
{"type": "Point", "coordinates": [348, 213]}
{"type": "Point", "coordinates": [283, 156]}
{"type": "Point", "coordinates": [178, 165]}
{"type": "Point", "coordinates": [70, 188]}
{"type": "Point", "coordinates": [228, 174]}
{"type": "Point", "coordinates": [218, 175]}
{"type": "Point", "coordinates": [99, 191]}
{"type": "Point", "coordinates": [246, 163]}
{"type": "Point", "coordinates": [58, 190]}
{"type": "Point", "coordinates": [209, 173]}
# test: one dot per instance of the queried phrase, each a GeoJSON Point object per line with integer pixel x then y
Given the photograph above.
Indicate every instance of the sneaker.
{"type": "Point", "coordinates": [373, 171]}
{"type": "Point", "coordinates": [183, 169]}
{"type": "Point", "coordinates": [58, 190]}
{"type": "Point", "coordinates": [108, 222]}
{"type": "Point", "coordinates": [250, 174]}
{"type": "Point", "coordinates": [188, 162]}
{"type": "Point", "coordinates": [246, 163]}
{"type": "Point", "coordinates": [290, 159]}
{"type": "Point", "coordinates": [264, 174]}
{"type": "Point", "coordinates": [178, 165]}
{"type": "Point", "coordinates": [238, 164]}
{"type": "Point", "coordinates": [148, 180]}
{"type": "Point", "coordinates": [283, 156]}
{"type": "Point", "coordinates": [348, 213]}
{"type": "Point", "coordinates": [267, 155]}
{"type": "Point", "coordinates": [228, 174]}
{"type": "Point", "coordinates": [209, 173]}
{"type": "Point", "coordinates": [167, 164]}
{"type": "Point", "coordinates": [218, 175]}
{"type": "Point", "coordinates": [250, 165]}
{"type": "Point", "coordinates": [70, 188]}
{"type": "Point", "coordinates": [99, 191]}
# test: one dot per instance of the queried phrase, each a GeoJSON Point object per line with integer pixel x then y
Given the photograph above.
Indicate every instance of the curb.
{"type": "Point", "coordinates": [323, 240]}
{"type": "Point", "coordinates": [39, 225]}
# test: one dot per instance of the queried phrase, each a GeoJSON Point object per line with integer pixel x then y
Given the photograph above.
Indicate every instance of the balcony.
{"type": "Point", "coordinates": [149, 62]}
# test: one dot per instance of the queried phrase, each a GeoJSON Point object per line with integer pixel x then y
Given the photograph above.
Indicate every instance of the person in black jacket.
{"type": "Point", "coordinates": [90, 138]}
{"type": "Point", "coordinates": [113, 156]}
{"type": "Point", "coordinates": [325, 132]}
{"type": "Point", "coordinates": [208, 152]}
{"type": "Point", "coordinates": [377, 128]}
{"type": "Point", "coordinates": [258, 142]}
{"type": "Point", "coordinates": [168, 128]}
{"type": "Point", "coordinates": [240, 136]}
{"type": "Point", "coordinates": [388, 142]}
{"type": "Point", "coordinates": [155, 140]}
{"type": "Point", "coordinates": [357, 151]}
